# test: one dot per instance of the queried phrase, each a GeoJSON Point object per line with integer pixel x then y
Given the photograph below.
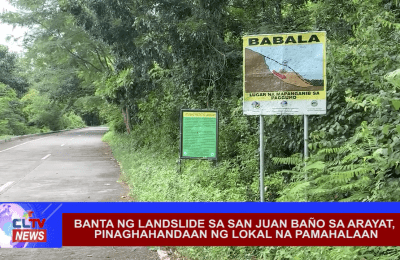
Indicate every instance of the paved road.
{"type": "Point", "coordinates": [67, 166]}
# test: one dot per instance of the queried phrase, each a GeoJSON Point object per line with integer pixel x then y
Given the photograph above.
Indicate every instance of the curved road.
{"type": "Point", "coordinates": [68, 166]}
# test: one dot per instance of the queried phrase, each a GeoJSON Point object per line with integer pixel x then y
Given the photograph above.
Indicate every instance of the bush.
{"type": "Point", "coordinates": [11, 120]}
{"type": "Point", "coordinates": [71, 120]}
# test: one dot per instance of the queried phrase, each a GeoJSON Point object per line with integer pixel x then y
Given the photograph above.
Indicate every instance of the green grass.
{"type": "Point", "coordinates": [153, 175]}
{"type": "Point", "coordinates": [5, 137]}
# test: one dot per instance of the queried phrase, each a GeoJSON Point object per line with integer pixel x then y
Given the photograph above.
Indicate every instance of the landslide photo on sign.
{"type": "Point", "coordinates": [284, 68]}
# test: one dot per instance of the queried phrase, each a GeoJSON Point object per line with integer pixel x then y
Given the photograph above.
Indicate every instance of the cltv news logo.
{"type": "Point", "coordinates": [24, 231]}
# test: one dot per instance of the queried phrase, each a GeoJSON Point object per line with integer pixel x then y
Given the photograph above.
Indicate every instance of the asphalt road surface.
{"type": "Point", "coordinates": [68, 166]}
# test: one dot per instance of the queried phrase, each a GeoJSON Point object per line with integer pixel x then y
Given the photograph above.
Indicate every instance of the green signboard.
{"type": "Point", "coordinates": [199, 134]}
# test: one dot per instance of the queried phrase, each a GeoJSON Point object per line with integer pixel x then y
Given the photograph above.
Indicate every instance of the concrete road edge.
{"type": "Point", "coordinates": [32, 135]}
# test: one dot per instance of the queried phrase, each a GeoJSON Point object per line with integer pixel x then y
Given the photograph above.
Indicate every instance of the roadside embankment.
{"type": "Point", "coordinates": [12, 138]}
{"type": "Point", "coordinates": [154, 176]}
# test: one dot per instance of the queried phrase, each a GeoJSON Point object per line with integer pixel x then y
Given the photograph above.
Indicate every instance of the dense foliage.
{"type": "Point", "coordinates": [135, 64]}
{"type": "Point", "coordinates": [24, 108]}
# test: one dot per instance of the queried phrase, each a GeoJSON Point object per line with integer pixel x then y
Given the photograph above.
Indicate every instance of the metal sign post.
{"type": "Point", "coordinates": [305, 142]}
{"type": "Point", "coordinates": [305, 137]}
{"type": "Point", "coordinates": [261, 158]}
{"type": "Point", "coordinates": [305, 147]}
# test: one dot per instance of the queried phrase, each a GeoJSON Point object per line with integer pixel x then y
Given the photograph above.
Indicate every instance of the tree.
{"type": "Point", "coordinates": [10, 73]}
{"type": "Point", "coordinates": [62, 61]}
{"type": "Point", "coordinates": [12, 121]}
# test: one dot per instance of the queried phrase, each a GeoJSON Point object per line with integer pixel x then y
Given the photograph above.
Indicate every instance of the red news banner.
{"type": "Point", "coordinates": [230, 229]}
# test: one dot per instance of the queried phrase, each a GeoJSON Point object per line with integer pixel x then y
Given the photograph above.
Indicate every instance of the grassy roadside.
{"type": "Point", "coordinates": [6, 137]}
{"type": "Point", "coordinates": [37, 132]}
{"type": "Point", "coordinates": [154, 176]}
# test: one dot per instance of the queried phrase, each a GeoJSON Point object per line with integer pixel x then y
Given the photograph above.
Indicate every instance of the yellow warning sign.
{"type": "Point", "coordinates": [284, 74]}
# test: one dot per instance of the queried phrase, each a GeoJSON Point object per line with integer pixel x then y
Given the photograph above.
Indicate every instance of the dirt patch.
{"type": "Point", "coordinates": [172, 253]}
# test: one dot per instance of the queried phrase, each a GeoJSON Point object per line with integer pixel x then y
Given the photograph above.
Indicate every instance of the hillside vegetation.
{"type": "Point", "coordinates": [135, 64]}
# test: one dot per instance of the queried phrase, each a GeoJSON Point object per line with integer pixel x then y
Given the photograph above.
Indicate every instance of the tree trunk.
{"type": "Point", "coordinates": [278, 8]}
{"type": "Point", "coordinates": [126, 119]}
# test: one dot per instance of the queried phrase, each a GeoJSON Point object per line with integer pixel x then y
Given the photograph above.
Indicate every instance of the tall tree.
{"type": "Point", "coordinates": [10, 72]}
{"type": "Point", "coordinates": [62, 60]}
